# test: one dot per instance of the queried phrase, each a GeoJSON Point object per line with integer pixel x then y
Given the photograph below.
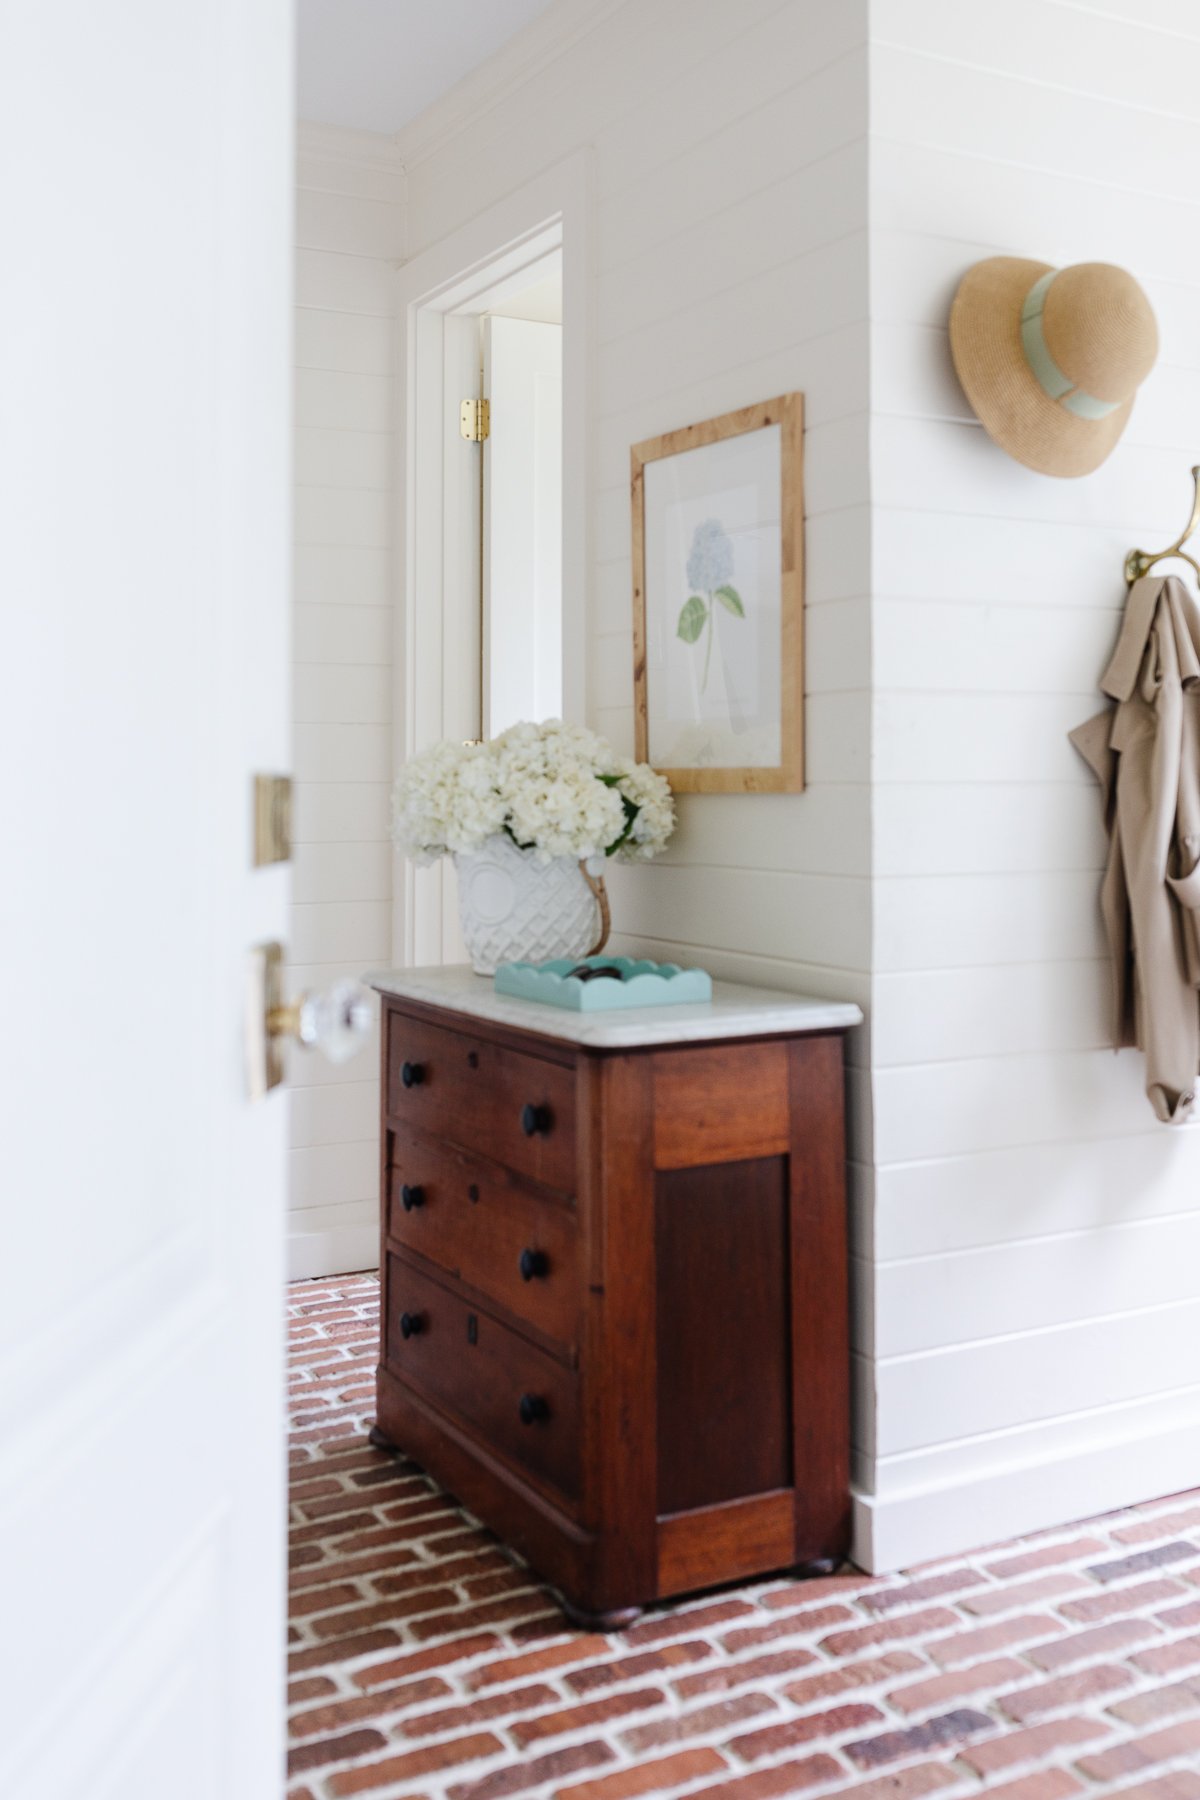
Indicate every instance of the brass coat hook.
{"type": "Point", "coordinates": [1140, 562]}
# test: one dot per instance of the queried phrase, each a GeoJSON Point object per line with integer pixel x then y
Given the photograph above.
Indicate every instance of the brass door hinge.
{"type": "Point", "coordinates": [475, 420]}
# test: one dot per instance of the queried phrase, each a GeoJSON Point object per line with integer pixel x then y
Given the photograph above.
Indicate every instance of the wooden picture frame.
{"type": "Point", "coordinates": [677, 618]}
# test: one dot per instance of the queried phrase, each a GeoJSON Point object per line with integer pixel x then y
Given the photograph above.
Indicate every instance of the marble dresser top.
{"type": "Point", "coordinates": [734, 1011]}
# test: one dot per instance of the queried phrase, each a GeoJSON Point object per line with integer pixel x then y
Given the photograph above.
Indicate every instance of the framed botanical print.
{"type": "Point", "coordinates": [718, 601]}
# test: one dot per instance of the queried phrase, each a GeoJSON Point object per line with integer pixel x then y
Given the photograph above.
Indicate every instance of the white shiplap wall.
{"type": "Point", "coordinates": [1035, 1234]}
{"type": "Point", "coordinates": [349, 238]}
{"type": "Point", "coordinates": [727, 162]}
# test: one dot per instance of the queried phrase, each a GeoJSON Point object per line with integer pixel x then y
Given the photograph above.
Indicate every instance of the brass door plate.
{"type": "Point", "coordinates": [272, 819]}
{"type": "Point", "coordinates": [264, 998]}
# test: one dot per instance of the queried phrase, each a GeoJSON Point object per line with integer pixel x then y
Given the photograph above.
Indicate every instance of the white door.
{"type": "Point", "coordinates": [522, 523]}
{"type": "Point", "coordinates": [145, 167]}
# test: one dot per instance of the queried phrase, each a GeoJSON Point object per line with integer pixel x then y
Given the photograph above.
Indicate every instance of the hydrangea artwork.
{"type": "Point", "coordinates": [717, 535]}
{"type": "Point", "coordinates": [709, 568]}
{"type": "Point", "coordinates": [554, 789]}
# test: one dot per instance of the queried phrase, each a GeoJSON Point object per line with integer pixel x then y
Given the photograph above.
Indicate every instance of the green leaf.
{"type": "Point", "coordinates": [631, 813]}
{"type": "Point", "coordinates": [692, 620]}
{"type": "Point", "coordinates": [731, 600]}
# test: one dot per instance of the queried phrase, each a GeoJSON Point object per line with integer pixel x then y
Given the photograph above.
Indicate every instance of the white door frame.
{"type": "Point", "coordinates": [463, 273]}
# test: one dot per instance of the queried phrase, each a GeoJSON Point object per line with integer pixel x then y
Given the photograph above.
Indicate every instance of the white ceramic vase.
{"type": "Point", "coordinates": [514, 908]}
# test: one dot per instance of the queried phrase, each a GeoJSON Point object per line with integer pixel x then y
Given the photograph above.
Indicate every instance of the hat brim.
{"type": "Point", "coordinates": [985, 343]}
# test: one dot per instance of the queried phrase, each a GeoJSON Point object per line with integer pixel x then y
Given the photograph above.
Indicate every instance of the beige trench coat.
{"type": "Point", "coordinates": [1145, 752]}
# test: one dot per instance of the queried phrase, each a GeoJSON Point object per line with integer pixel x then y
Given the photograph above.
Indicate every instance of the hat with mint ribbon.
{"type": "Point", "coordinates": [1051, 359]}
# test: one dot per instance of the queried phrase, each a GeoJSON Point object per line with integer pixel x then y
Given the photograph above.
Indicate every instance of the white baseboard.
{"type": "Point", "coordinates": [990, 1506]}
{"type": "Point", "coordinates": [344, 1250]}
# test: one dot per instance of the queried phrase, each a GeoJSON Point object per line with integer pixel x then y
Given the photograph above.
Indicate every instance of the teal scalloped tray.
{"type": "Point", "coordinates": [645, 984]}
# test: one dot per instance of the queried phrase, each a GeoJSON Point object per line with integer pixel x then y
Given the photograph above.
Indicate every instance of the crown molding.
{"type": "Point", "coordinates": [543, 41]}
{"type": "Point", "coordinates": [375, 149]}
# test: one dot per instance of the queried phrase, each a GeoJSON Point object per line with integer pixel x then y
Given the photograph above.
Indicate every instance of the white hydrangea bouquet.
{"type": "Point", "coordinates": [530, 819]}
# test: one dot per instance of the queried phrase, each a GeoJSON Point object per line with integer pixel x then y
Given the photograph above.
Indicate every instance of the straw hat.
{"type": "Point", "coordinates": [1051, 359]}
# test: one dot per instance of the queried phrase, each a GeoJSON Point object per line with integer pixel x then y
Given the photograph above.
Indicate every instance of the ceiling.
{"type": "Point", "coordinates": [376, 64]}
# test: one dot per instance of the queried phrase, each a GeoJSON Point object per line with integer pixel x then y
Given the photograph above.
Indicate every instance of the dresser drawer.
{"type": "Point", "coordinates": [517, 1109]}
{"type": "Point", "coordinates": [518, 1400]}
{"type": "Point", "coordinates": [481, 1223]}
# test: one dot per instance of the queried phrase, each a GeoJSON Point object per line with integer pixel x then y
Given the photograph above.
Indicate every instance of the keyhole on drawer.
{"type": "Point", "coordinates": [472, 1192]}
{"type": "Point", "coordinates": [472, 1329]}
{"type": "Point", "coordinates": [472, 1059]}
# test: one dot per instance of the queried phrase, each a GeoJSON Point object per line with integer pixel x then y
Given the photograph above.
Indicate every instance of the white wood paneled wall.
{"type": "Point", "coordinates": [349, 237]}
{"type": "Point", "coordinates": [728, 171]}
{"type": "Point", "coordinates": [1035, 1235]}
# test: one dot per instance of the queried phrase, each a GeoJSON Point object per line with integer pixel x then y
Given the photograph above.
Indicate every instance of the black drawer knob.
{"type": "Point", "coordinates": [412, 1196]}
{"type": "Point", "coordinates": [533, 1409]}
{"type": "Point", "coordinates": [411, 1325]}
{"type": "Point", "coordinates": [534, 1264]}
{"type": "Point", "coordinates": [535, 1120]}
{"type": "Point", "coordinates": [412, 1074]}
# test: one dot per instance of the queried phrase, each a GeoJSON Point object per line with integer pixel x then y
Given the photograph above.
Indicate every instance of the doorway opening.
{"type": "Point", "coordinates": [491, 589]}
{"type": "Point", "coordinates": [508, 493]}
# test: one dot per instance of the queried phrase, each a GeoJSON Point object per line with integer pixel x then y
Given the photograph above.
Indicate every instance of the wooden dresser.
{"type": "Point", "coordinates": [613, 1256]}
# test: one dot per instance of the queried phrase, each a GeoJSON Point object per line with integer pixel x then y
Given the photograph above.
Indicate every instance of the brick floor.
{"type": "Point", "coordinates": [425, 1662]}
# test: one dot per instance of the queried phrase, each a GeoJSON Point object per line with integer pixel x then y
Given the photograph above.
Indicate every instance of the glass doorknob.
{"type": "Point", "coordinates": [336, 1022]}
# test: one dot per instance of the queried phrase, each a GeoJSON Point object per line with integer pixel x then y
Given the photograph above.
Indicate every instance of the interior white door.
{"type": "Point", "coordinates": [145, 171]}
{"type": "Point", "coordinates": [522, 523]}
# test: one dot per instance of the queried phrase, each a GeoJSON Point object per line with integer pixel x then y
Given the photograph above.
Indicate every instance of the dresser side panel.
{"type": "Point", "coordinates": [820, 1297]}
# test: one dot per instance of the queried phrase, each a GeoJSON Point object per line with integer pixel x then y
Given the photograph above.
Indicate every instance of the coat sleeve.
{"type": "Point", "coordinates": [1092, 740]}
